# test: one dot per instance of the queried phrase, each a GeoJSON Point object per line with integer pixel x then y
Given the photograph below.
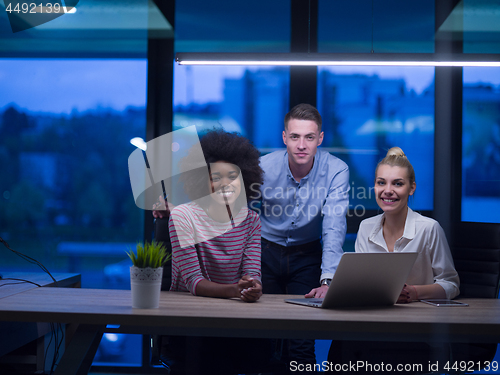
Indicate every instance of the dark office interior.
{"type": "Point", "coordinates": [76, 88]}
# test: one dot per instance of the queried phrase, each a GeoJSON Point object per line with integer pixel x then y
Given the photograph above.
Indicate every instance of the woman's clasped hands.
{"type": "Point", "coordinates": [250, 290]}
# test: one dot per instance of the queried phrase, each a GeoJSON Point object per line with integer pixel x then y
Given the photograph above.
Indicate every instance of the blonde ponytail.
{"type": "Point", "coordinates": [395, 151]}
{"type": "Point", "coordinates": [395, 157]}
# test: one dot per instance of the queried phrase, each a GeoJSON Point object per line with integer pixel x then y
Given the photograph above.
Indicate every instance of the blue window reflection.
{"type": "Point", "coordinates": [65, 130]}
{"type": "Point", "coordinates": [366, 111]}
{"type": "Point", "coordinates": [251, 101]}
{"type": "Point", "coordinates": [65, 197]}
{"type": "Point", "coordinates": [481, 145]}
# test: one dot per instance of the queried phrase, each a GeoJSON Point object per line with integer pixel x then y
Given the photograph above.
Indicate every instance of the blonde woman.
{"type": "Point", "coordinates": [400, 229]}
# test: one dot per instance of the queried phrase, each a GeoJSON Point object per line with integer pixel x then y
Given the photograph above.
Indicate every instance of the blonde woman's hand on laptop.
{"type": "Point", "coordinates": [318, 292]}
{"type": "Point", "coordinates": [404, 296]}
{"type": "Point", "coordinates": [408, 294]}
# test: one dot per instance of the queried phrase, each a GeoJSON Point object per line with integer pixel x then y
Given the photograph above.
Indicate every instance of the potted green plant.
{"type": "Point", "coordinates": [146, 274]}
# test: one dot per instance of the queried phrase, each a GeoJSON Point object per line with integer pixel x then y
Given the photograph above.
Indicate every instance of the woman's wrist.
{"type": "Point", "coordinates": [236, 291]}
{"type": "Point", "coordinates": [415, 297]}
{"type": "Point", "coordinates": [208, 288]}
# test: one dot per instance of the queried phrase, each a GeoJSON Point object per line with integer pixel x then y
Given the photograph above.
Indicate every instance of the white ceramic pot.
{"type": "Point", "coordinates": [146, 286]}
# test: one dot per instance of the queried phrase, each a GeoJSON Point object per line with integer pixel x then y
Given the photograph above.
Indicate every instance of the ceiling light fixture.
{"type": "Point", "coordinates": [338, 59]}
{"type": "Point", "coordinates": [139, 143]}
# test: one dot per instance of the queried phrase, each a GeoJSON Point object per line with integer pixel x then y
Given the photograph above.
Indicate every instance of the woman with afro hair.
{"type": "Point", "coordinates": [216, 250]}
{"type": "Point", "coordinates": [215, 237]}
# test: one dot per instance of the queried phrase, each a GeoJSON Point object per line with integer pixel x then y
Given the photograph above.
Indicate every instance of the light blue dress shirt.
{"type": "Point", "coordinates": [295, 213]}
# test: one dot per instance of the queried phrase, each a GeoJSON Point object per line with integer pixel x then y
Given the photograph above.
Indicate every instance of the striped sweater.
{"type": "Point", "coordinates": [205, 249]}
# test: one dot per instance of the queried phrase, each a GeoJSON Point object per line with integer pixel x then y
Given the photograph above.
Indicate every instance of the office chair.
{"type": "Point", "coordinates": [476, 252]}
{"type": "Point", "coordinates": [161, 235]}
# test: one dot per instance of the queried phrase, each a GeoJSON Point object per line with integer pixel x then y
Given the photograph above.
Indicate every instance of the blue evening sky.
{"type": "Point", "coordinates": [61, 85]}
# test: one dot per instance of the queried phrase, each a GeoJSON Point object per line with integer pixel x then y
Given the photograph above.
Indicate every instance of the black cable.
{"type": "Point", "coordinates": [54, 336]}
{"type": "Point", "coordinates": [28, 259]}
{"type": "Point", "coordinates": [57, 347]}
{"type": "Point", "coordinates": [25, 257]}
{"type": "Point", "coordinates": [54, 329]}
{"type": "Point", "coordinates": [57, 344]}
{"type": "Point", "coordinates": [10, 284]}
{"type": "Point", "coordinates": [48, 345]}
{"type": "Point", "coordinates": [21, 281]}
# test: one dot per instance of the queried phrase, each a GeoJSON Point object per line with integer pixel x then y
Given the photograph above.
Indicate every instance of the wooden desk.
{"type": "Point", "coordinates": [21, 333]}
{"type": "Point", "coordinates": [183, 314]}
{"type": "Point", "coordinates": [10, 287]}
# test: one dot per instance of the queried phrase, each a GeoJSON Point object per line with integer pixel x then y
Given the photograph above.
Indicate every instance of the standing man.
{"type": "Point", "coordinates": [304, 200]}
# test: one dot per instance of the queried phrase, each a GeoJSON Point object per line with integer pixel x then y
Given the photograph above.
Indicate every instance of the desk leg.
{"type": "Point", "coordinates": [80, 352]}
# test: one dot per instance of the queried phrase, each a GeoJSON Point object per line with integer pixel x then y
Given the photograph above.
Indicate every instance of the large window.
{"type": "Point", "coordinates": [366, 111]}
{"type": "Point", "coordinates": [66, 200]}
{"type": "Point", "coordinates": [65, 130]}
{"type": "Point", "coordinates": [481, 145]}
{"type": "Point", "coordinates": [248, 100]}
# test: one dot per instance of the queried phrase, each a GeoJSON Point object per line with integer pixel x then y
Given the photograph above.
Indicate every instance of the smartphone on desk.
{"type": "Point", "coordinates": [443, 302]}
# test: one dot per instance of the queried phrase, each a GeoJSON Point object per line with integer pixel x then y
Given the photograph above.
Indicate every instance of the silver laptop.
{"type": "Point", "coordinates": [365, 279]}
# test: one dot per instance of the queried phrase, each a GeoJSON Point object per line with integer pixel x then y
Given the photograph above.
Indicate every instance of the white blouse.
{"type": "Point", "coordinates": [434, 263]}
